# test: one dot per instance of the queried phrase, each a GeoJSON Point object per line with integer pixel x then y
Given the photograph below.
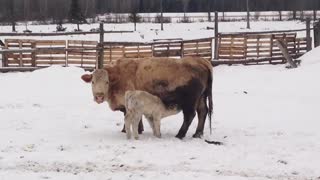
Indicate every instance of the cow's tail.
{"type": "Point", "coordinates": [209, 95]}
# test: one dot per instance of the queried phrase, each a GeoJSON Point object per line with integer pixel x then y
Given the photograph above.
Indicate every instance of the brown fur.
{"type": "Point", "coordinates": [161, 77]}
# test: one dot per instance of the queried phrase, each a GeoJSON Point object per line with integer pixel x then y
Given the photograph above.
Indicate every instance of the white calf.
{"type": "Point", "coordinates": [140, 103]}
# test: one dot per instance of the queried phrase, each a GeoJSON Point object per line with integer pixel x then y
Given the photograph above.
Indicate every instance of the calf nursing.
{"type": "Point", "coordinates": [140, 103]}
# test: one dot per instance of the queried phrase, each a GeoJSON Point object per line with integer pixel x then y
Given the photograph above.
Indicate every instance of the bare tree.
{"type": "Point", "coordinates": [280, 15]}
{"type": "Point", "coordinates": [161, 9]}
{"type": "Point", "coordinates": [12, 15]}
{"type": "Point", "coordinates": [248, 15]}
{"type": "Point", "coordinates": [185, 8]}
{"type": "Point", "coordinates": [26, 12]}
{"type": "Point", "coordinates": [75, 14]}
{"type": "Point", "coordinates": [43, 9]}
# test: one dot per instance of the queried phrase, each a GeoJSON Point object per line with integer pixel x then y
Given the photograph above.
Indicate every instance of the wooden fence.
{"type": "Point", "coordinates": [173, 48]}
{"type": "Point", "coordinates": [231, 49]}
{"type": "Point", "coordinates": [43, 53]}
{"type": "Point", "coordinates": [247, 48]}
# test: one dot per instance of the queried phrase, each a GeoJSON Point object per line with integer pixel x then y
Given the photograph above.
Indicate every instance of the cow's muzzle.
{"type": "Point", "coordinates": [99, 98]}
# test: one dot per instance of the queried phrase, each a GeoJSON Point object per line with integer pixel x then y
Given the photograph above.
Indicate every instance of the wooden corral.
{"type": "Point", "coordinates": [82, 53]}
{"type": "Point", "coordinates": [19, 58]}
{"type": "Point", "coordinates": [173, 48]}
{"type": "Point", "coordinates": [246, 48]}
{"type": "Point", "coordinates": [55, 55]}
{"type": "Point", "coordinates": [232, 49]}
{"type": "Point", "coordinates": [43, 53]}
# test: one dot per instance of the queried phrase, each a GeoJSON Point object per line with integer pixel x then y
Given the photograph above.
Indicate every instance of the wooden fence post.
{"type": "Point", "coordinates": [216, 35]}
{"type": "Point", "coordinates": [4, 55]}
{"type": "Point", "coordinates": [309, 41]}
{"type": "Point", "coordinates": [316, 32]}
{"type": "Point", "coordinates": [101, 47]}
{"type": "Point", "coordinates": [33, 54]}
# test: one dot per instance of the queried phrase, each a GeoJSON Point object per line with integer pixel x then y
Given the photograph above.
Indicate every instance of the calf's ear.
{"type": "Point", "coordinates": [87, 78]}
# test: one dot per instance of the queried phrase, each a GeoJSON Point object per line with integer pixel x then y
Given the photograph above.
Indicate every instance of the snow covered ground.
{"type": "Point", "coordinates": [266, 116]}
{"type": "Point", "coordinates": [149, 31]}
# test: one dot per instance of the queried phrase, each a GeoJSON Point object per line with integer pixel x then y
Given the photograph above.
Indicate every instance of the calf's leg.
{"type": "Point", "coordinates": [128, 123]}
{"type": "Point", "coordinates": [156, 124]}
{"type": "Point", "coordinates": [140, 129]}
{"type": "Point", "coordinates": [151, 122]}
{"type": "Point", "coordinates": [135, 123]}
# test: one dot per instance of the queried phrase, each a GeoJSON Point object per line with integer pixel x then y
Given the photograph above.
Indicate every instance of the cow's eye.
{"type": "Point", "coordinates": [107, 82]}
{"type": "Point", "coordinates": [92, 82]}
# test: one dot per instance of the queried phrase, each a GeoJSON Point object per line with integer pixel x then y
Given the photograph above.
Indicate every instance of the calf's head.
{"type": "Point", "coordinates": [99, 80]}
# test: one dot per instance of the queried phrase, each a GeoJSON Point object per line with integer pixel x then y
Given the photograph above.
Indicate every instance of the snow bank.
{"type": "Point", "coordinates": [311, 58]}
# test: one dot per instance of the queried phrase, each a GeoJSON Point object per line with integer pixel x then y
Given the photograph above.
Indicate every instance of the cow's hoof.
{"type": "Point", "coordinates": [123, 130]}
{"type": "Point", "coordinates": [140, 132]}
{"type": "Point", "coordinates": [179, 136]}
{"type": "Point", "coordinates": [198, 135]}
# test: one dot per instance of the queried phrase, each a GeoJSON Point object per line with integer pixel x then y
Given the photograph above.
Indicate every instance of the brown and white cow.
{"type": "Point", "coordinates": [184, 83]}
{"type": "Point", "coordinates": [140, 103]}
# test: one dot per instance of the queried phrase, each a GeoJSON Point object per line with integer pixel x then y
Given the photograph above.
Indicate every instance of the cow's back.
{"type": "Point", "coordinates": [158, 76]}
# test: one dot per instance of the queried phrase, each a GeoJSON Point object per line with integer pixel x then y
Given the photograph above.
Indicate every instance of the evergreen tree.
{"type": "Point", "coordinates": [75, 14]}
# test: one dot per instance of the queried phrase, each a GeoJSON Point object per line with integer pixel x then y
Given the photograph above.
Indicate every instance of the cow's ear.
{"type": "Point", "coordinates": [87, 78]}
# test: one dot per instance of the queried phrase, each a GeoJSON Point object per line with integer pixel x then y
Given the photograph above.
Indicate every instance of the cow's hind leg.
{"type": "Point", "coordinates": [188, 115]}
{"type": "Point", "coordinates": [202, 111]}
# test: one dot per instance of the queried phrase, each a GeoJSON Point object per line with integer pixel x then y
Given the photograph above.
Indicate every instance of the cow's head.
{"type": "Point", "coordinates": [99, 80]}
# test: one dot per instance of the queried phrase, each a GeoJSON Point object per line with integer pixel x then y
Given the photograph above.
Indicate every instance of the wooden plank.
{"type": "Point", "coordinates": [232, 48]}
{"type": "Point", "coordinates": [48, 51]}
{"type": "Point", "coordinates": [19, 56]}
{"type": "Point", "coordinates": [16, 61]}
{"type": "Point", "coordinates": [49, 62]}
{"type": "Point", "coordinates": [137, 55]}
{"type": "Point", "coordinates": [19, 46]}
{"type": "Point", "coordinates": [232, 57]}
{"type": "Point", "coordinates": [78, 42]}
{"type": "Point", "coordinates": [84, 62]}
{"type": "Point", "coordinates": [79, 53]}
{"type": "Point", "coordinates": [135, 48]}
{"type": "Point", "coordinates": [50, 58]}
{"type": "Point", "coordinates": [260, 42]}
{"type": "Point", "coordinates": [81, 57]}
{"type": "Point", "coordinates": [50, 43]}
{"type": "Point", "coordinates": [19, 40]}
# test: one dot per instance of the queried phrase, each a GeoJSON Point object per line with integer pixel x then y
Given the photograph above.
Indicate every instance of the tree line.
{"type": "Point", "coordinates": [22, 10]}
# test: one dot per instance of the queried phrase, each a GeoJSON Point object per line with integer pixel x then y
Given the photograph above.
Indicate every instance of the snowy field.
{"type": "Point", "coordinates": [266, 116]}
{"type": "Point", "coordinates": [148, 31]}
